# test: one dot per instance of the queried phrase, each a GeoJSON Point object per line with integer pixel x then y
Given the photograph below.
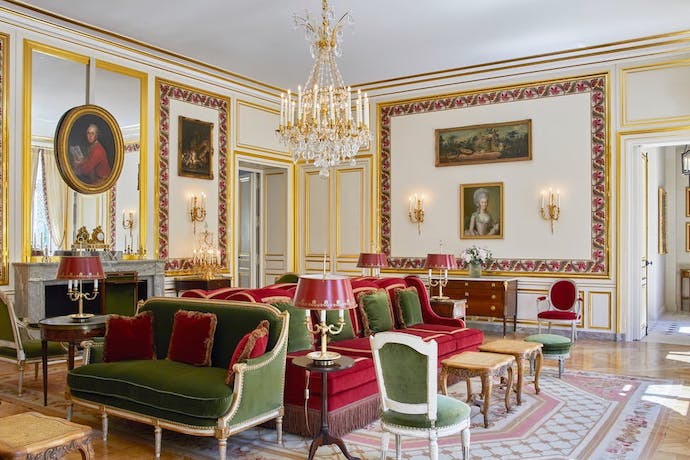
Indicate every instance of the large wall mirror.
{"type": "Point", "coordinates": [53, 213]}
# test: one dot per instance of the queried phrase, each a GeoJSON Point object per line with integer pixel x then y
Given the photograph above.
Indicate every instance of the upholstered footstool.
{"type": "Point", "coordinates": [38, 436]}
{"type": "Point", "coordinates": [554, 347]}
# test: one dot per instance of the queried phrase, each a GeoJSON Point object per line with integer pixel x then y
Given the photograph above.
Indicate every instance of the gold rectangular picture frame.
{"type": "Point", "coordinates": [663, 221]}
{"type": "Point", "coordinates": [687, 237]}
{"type": "Point", "coordinates": [194, 148]}
{"type": "Point", "coordinates": [487, 143]}
{"type": "Point", "coordinates": [481, 211]}
{"type": "Point", "coordinates": [687, 201]}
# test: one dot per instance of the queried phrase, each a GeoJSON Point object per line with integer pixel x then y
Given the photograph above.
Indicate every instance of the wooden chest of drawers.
{"type": "Point", "coordinates": [489, 297]}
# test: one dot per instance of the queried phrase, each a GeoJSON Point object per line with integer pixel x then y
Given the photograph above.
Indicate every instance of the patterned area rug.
{"type": "Point", "coordinates": [583, 415]}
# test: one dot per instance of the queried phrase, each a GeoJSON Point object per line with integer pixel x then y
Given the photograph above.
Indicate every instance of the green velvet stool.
{"type": "Point", "coordinates": [554, 347]}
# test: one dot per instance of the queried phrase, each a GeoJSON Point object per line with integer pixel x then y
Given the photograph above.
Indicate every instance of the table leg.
{"type": "Point", "coordinates": [324, 437]}
{"type": "Point", "coordinates": [508, 388]}
{"type": "Point", "coordinates": [537, 370]}
{"type": "Point", "coordinates": [518, 390]}
{"type": "Point", "coordinates": [44, 362]}
{"type": "Point", "coordinates": [444, 380]}
{"type": "Point", "coordinates": [504, 326]}
{"type": "Point", "coordinates": [486, 393]}
{"type": "Point", "coordinates": [70, 356]}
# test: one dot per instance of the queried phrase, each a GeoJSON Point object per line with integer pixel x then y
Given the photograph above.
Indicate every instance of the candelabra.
{"type": "Point", "coordinates": [76, 269]}
{"type": "Point", "coordinates": [442, 262]}
{"type": "Point", "coordinates": [206, 261]}
{"type": "Point", "coordinates": [128, 224]}
{"type": "Point", "coordinates": [550, 206]}
{"type": "Point", "coordinates": [197, 212]}
{"type": "Point", "coordinates": [416, 211]}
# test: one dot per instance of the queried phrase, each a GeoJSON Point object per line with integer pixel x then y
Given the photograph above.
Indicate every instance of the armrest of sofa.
{"type": "Point", "coordinates": [429, 315]}
{"type": "Point", "coordinates": [260, 382]}
{"type": "Point", "coordinates": [93, 350]}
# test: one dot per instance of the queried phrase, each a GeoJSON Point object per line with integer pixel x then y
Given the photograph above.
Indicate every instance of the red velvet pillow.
{"type": "Point", "coordinates": [252, 345]}
{"type": "Point", "coordinates": [191, 341]}
{"type": "Point", "coordinates": [128, 337]}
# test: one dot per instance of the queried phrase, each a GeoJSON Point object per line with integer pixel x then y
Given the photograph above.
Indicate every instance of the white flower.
{"type": "Point", "coordinates": [476, 255]}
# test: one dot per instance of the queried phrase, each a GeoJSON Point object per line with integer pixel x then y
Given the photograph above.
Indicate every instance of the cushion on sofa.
{"type": "Point", "coordinates": [252, 345]}
{"type": "Point", "coordinates": [153, 387]}
{"type": "Point", "coordinates": [408, 309]}
{"type": "Point", "coordinates": [299, 337]}
{"type": "Point", "coordinates": [377, 315]}
{"type": "Point", "coordinates": [128, 337]}
{"type": "Point", "coordinates": [191, 341]}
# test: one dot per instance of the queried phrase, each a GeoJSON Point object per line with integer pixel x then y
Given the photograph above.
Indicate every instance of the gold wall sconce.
{"type": "Point", "coordinates": [550, 206]}
{"type": "Point", "coordinates": [197, 210]}
{"type": "Point", "coordinates": [416, 211]}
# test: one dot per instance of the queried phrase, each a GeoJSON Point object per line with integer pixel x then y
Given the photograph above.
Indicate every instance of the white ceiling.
{"type": "Point", "coordinates": [390, 38]}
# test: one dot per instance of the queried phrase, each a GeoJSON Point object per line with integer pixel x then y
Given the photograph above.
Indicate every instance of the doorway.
{"type": "Point", "coordinates": [652, 243]}
{"type": "Point", "coordinates": [264, 229]}
{"type": "Point", "coordinates": [249, 248]}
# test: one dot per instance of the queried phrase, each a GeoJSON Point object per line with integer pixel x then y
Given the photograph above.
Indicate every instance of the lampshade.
{"type": "Point", "coordinates": [324, 292]}
{"type": "Point", "coordinates": [440, 261]}
{"type": "Point", "coordinates": [372, 260]}
{"type": "Point", "coordinates": [80, 268]}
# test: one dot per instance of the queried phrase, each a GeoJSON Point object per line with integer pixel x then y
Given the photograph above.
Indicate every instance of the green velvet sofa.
{"type": "Point", "coordinates": [186, 398]}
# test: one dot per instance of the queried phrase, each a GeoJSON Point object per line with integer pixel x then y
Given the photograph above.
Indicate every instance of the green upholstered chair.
{"type": "Point", "coordinates": [406, 372]}
{"type": "Point", "coordinates": [121, 293]}
{"type": "Point", "coordinates": [17, 346]}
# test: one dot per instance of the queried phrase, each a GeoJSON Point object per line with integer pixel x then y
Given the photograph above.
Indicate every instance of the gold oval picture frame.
{"type": "Point", "coordinates": [89, 149]}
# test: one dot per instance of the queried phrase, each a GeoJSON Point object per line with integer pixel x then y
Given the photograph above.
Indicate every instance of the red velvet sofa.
{"type": "Point", "coordinates": [353, 397]}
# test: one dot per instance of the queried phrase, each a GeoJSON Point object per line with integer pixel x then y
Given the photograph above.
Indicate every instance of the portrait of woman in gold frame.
{"type": "Point", "coordinates": [481, 211]}
{"type": "Point", "coordinates": [89, 149]}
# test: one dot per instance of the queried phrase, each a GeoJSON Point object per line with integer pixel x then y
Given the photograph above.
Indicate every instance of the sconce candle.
{"type": "Point", "coordinates": [416, 211]}
{"type": "Point", "coordinates": [550, 206]}
{"type": "Point", "coordinates": [197, 211]}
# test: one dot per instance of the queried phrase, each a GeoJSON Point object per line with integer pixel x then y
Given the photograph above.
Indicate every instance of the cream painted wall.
{"type": "Point", "coordinates": [182, 240]}
{"type": "Point", "coordinates": [560, 160]}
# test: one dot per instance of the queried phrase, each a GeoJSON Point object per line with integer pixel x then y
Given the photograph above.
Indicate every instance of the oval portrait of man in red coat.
{"type": "Point", "coordinates": [89, 149]}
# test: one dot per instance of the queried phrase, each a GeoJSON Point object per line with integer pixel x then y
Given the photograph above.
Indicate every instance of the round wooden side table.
{"type": "Point", "coordinates": [65, 329]}
{"type": "Point", "coordinates": [324, 437]}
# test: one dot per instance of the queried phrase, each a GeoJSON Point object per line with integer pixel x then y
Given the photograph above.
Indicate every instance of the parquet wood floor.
{"type": "Point", "coordinates": [656, 360]}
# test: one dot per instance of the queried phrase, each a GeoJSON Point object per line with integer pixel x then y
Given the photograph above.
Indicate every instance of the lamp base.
{"type": "Point", "coordinates": [80, 317]}
{"type": "Point", "coordinates": [323, 358]}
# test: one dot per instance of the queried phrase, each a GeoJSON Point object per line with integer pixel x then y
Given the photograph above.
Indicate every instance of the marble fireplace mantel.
{"type": "Point", "coordinates": [30, 280]}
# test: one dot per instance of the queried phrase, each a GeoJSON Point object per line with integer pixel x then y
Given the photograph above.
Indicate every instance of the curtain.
{"type": "Point", "coordinates": [56, 198]}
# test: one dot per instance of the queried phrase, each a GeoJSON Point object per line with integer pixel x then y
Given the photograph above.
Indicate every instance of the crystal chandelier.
{"type": "Point", "coordinates": [318, 125]}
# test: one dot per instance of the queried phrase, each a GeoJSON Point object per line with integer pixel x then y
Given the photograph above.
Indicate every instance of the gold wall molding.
{"type": "Point", "coordinates": [339, 173]}
{"type": "Point", "coordinates": [590, 304]}
{"type": "Point", "coordinates": [244, 103]}
{"type": "Point", "coordinates": [4, 158]}
{"type": "Point", "coordinates": [625, 74]}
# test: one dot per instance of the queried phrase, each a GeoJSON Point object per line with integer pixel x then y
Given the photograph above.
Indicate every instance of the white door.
{"type": "Point", "coordinates": [248, 250]}
{"type": "Point", "coordinates": [644, 251]}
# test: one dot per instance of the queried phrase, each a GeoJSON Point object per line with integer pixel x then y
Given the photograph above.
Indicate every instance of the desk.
{"type": "Point", "coordinates": [324, 437]}
{"type": "Point", "coordinates": [490, 297]}
{"type": "Point", "coordinates": [64, 329]}
{"type": "Point", "coordinates": [189, 282]}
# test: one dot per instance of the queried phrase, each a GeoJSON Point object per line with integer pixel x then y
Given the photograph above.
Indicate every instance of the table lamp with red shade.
{"type": "Point", "coordinates": [324, 292]}
{"type": "Point", "coordinates": [77, 269]}
{"type": "Point", "coordinates": [443, 263]}
{"type": "Point", "coordinates": [373, 260]}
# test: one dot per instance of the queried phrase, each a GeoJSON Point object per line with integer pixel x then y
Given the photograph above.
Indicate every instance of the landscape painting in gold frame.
{"type": "Point", "coordinates": [487, 143]}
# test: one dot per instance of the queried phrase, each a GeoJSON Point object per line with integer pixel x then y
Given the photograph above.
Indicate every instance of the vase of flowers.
{"type": "Point", "coordinates": [475, 257]}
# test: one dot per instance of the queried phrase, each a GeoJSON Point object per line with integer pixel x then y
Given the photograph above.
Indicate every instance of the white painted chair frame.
{"type": "Point", "coordinates": [430, 350]}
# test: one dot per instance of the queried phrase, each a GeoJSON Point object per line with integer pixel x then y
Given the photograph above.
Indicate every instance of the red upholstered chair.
{"type": "Point", "coordinates": [562, 305]}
